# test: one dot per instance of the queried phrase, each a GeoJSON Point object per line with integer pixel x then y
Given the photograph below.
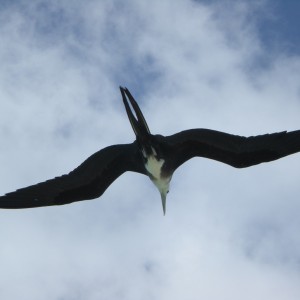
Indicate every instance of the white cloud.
{"type": "Point", "coordinates": [228, 233]}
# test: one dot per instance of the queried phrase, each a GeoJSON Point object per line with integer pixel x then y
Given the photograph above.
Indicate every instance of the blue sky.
{"type": "Point", "coordinates": [277, 23]}
{"type": "Point", "coordinates": [281, 29]}
{"type": "Point", "coordinates": [232, 66]}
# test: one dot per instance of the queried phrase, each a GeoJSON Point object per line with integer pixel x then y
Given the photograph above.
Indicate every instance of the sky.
{"type": "Point", "coordinates": [228, 233]}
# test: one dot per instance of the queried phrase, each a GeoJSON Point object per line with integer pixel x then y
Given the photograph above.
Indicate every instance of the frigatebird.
{"type": "Point", "coordinates": [154, 155]}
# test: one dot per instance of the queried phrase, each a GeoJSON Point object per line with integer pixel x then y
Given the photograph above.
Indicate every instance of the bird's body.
{"type": "Point", "coordinates": [155, 169]}
{"type": "Point", "coordinates": [154, 155]}
{"type": "Point", "coordinates": [154, 166]}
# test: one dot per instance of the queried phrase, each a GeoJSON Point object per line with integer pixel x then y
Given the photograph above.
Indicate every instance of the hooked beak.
{"type": "Point", "coordinates": [163, 201]}
{"type": "Point", "coordinates": [138, 123]}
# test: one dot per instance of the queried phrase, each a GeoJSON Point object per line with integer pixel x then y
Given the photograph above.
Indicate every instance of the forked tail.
{"type": "Point", "coordinates": [137, 120]}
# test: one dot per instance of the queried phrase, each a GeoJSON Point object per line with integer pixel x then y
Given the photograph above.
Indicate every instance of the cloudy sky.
{"type": "Point", "coordinates": [229, 65]}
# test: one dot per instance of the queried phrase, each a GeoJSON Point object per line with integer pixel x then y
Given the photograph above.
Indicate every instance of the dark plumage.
{"type": "Point", "coordinates": [153, 155]}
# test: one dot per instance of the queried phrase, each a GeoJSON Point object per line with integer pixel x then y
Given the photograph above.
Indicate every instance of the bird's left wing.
{"type": "Point", "coordinates": [88, 181]}
{"type": "Point", "coordinates": [234, 150]}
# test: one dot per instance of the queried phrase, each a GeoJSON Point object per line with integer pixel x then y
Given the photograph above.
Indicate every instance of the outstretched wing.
{"type": "Point", "coordinates": [88, 181]}
{"type": "Point", "coordinates": [237, 151]}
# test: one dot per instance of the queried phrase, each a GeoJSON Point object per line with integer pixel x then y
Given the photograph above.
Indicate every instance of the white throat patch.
{"type": "Point", "coordinates": [153, 166]}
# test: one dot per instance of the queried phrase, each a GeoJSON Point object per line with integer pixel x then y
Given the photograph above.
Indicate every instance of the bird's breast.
{"type": "Point", "coordinates": [154, 166]}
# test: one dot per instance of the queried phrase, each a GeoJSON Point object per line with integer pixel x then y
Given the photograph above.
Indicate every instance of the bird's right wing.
{"type": "Point", "coordinates": [88, 181]}
{"type": "Point", "coordinates": [234, 150]}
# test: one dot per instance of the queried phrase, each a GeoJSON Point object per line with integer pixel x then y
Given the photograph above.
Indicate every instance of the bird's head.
{"type": "Point", "coordinates": [163, 185]}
